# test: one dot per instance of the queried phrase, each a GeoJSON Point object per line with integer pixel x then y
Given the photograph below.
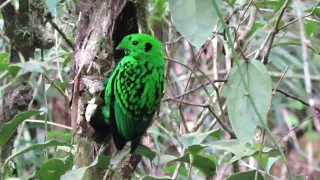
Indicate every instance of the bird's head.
{"type": "Point", "coordinates": [140, 43]}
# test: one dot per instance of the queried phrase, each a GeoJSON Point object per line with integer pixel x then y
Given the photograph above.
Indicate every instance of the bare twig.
{"type": "Point", "coordinates": [295, 127]}
{"type": "Point", "coordinates": [57, 87]}
{"type": "Point", "coordinates": [56, 27]}
{"type": "Point", "coordinates": [194, 89]}
{"type": "Point", "coordinates": [51, 123]}
{"type": "Point", "coordinates": [275, 30]}
{"type": "Point", "coordinates": [295, 98]}
{"type": "Point", "coordinates": [281, 78]}
{"type": "Point", "coordinates": [189, 103]}
{"type": "Point", "coordinates": [295, 20]}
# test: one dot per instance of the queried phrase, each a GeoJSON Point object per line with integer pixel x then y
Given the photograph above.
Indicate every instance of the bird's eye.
{"type": "Point", "coordinates": [135, 43]}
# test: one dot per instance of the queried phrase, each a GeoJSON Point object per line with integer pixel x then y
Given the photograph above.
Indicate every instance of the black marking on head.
{"type": "Point", "coordinates": [135, 58]}
{"type": "Point", "coordinates": [130, 38]}
{"type": "Point", "coordinates": [135, 43]}
{"type": "Point", "coordinates": [148, 47]}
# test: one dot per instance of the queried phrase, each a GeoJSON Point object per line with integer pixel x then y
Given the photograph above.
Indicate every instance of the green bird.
{"type": "Point", "coordinates": [135, 89]}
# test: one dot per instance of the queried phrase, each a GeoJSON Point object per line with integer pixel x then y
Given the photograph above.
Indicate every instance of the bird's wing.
{"type": "Point", "coordinates": [124, 92]}
{"type": "Point", "coordinates": [109, 109]}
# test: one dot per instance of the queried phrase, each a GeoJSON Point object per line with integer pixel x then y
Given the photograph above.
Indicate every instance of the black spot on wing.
{"type": "Point", "coordinates": [148, 47]}
{"type": "Point", "coordinates": [149, 71]}
{"type": "Point", "coordinates": [140, 90]}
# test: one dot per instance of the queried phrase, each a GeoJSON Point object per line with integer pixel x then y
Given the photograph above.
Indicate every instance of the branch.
{"type": "Point", "coordinates": [275, 30]}
{"type": "Point", "coordinates": [55, 26]}
{"type": "Point", "coordinates": [306, 70]}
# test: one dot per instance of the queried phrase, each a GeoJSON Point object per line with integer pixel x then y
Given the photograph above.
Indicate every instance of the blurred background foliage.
{"type": "Point", "coordinates": [185, 132]}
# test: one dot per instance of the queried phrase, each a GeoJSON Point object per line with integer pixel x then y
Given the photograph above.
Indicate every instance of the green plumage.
{"type": "Point", "coordinates": [134, 90]}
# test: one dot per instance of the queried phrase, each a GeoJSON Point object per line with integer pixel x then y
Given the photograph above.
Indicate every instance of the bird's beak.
{"type": "Point", "coordinates": [120, 48]}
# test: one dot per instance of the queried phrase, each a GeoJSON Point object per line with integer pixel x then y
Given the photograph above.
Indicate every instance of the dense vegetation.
{"type": "Point", "coordinates": [241, 98]}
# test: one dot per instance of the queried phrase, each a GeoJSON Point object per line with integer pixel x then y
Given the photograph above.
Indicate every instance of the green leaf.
{"type": "Point", "coordinates": [194, 19]}
{"type": "Point", "coordinates": [75, 174]}
{"type": "Point", "coordinates": [64, 135]}
{"type": "Point", "coordinates": [155, 178]}
{"type": "Point", "coordinates": [101, 161]}
{"type": "Point", "coordinates": [242, 116]}
{"type": "Point", "coordinates": [145, 151]}
{"type": "Point", "coordinates": [4, 59]}
{"type": "Point", "coordinates": [257, 25]}
{"type": "Point", "coordinates": [292, 119]}
{"type": "Point", "coordinates": [245, 175]}
{"type": "Point", "coordinates": [60, 84]}
{"type": "Point", "coordinates": [317, 12]}
{"type": "Point", "coordinates": [267, 161]}
{"type": "Point", "coordinates": [192, 140]}
{"type": "Point", "coordinates": [8, 128]}
{"type": "Point", "coordinates": [68, 161]}
{"type": "Point", "coordinates": [231, 2]}
{"type": "Point", "coordinates": [66, 61]}
{"type": "Point", "coordinates": [311, 27]}
{"type": "Point", "coordinates": [36, 147]}
{"type": "Point", "coordinates": [263, 4]}
{"type": "Point", "coordinates": [277, 7]}
{"type": "Point", "coordinates": [52, 169]}
{"type": "Point", "coordinates": [197, 138]}
{"type": "Point", "coordinates": [171, 169]}
{"type": "Point", "coordinates": [204, 164]}
{"type": "Point", "coordinates": [3, 66]}
{"type": "Point", "coordinates": [296, 105]}
{"type": "Point", "coordinates": [13, 70]}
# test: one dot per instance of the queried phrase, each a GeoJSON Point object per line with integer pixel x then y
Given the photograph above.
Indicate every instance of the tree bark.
{"type": "Point", "coordinates": [102, 25]}
{"type": "Point", "coordinates": [25, 32]}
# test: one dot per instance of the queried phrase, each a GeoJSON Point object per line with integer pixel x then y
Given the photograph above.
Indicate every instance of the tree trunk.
{"type": "Point", "coordinates": [25, 32]}
{"type": "Point", "coordinates": [102, 25]}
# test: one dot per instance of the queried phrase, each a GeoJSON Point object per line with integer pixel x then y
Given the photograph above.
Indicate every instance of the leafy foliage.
{"type": "Point", "coordinates": [242, 116]}
{"type": "Point", "coordinates": [206, 126]}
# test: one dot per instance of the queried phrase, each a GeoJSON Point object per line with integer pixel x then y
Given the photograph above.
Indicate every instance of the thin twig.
{"type": "Point", "coordinates": [56, 27]}
{"type": "Point", "coordinates": [295, 20]}
{"type": "Point", "coordinates": [194, 89]}
{"type": "Point", "coordinates": [281, 78]}
{"type": "Point", "coordinates": [306, 70]}
{"type": "Point", "coordinates": [295, 98]}
{"type": "Point", "coordinates": [189, 103]}
{"type": "Point", "coordinates": [57, 87]}
{"type": "Point", "coordinates": [295, 127]}
{"type": "Point", "coordinates": [174, 41]}
{"type": "Point", "coordinates": [275, 30]}
{"type": "Point", "coordinates": [259, 157]}
{"type": "Point", "coordinates": [192, 72]}
{"type": "Point", "coordinates": [51, 123]}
